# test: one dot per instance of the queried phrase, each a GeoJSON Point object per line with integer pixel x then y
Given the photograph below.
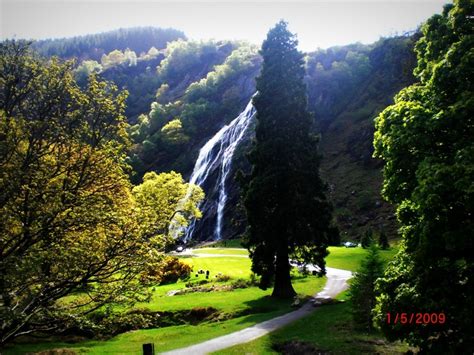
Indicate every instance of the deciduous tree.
{"type": "Point", "coordinates": [426, 141]}
{"type": "Point", "coordinates": [69, 222]}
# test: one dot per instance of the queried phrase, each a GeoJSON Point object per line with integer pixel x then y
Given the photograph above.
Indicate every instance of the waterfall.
{"type": "Point", "coordinates": [217, 153]}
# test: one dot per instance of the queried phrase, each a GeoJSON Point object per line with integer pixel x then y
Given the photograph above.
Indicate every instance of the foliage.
{"type": "Point", "coordinates": [139, 40]}
{"type": "Point", "coordinates": [160, 199]}
{"type": "Point", "coordinates": [367, 239]}
{"type": "Point", "coordinates": [68, 217]}
{"type": "Point", "coordinates": [333, 75]}
{"type": "Point", "coordinates": [167, 270]}
{"type": "Point", "coordinates": [85, 69]}
{"type": "Point", "coordinates": [383, 241]}
{"type": "Point", "coordinates": [74, 235]}
{"type": "Point", "coordinates": [362, 290]}
{"type": "Point", "coordinates": [426, 141]}
{"type": "Point", "coordinates": [185, 57]}
{"type": "Point", "coordinates": [284, 196]}
{"type": "Point", "coordinates": [173, 132]}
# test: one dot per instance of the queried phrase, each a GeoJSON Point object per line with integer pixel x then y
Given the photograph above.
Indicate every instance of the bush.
{"type": "Point", "coordinates": [168, 270]}
{"type": "Point", "coordinates": [222, 278]}
{"type": "Point", "coordinates": [241, 283]}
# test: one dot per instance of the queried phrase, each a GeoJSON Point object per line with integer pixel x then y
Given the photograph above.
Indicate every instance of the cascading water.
{"type": "Point", "coordinates": [217, 153]}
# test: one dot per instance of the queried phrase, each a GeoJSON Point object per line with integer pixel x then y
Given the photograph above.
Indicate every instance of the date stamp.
{"type": "Point", "coordinates": [416, 318]}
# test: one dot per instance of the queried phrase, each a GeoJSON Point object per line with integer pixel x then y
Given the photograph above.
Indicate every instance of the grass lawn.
{"type": "Point", "coordinates": [252, 301]}
{"type": "Point", "coordinates": [350, 258]}
{"type": "Point", "coordinates": [232, 243]}
{"type": "Point", "coordinates": [167, 338]}
{"type": "Point", "coordinates": [328, 329]}
{"type": "Point", "coordinates": [339, 257]}
{"type": "Point", "coordinates": [224, 251]}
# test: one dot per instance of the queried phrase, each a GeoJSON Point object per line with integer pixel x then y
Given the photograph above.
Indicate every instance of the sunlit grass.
{"type": "Point", "coordinates": [224, 251]}
{"type": "Point", "coordinates": [252, 300]}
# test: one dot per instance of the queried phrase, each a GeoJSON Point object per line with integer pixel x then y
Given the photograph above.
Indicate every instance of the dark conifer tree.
{"type": "Point", "coordinates": [362, 291]}
{"type": "Point", "coordinates": [367, 239]}
{"type": "Point", "coordinates": [284, 196]}
{"type": "Point", "coordinates": [383, 241]}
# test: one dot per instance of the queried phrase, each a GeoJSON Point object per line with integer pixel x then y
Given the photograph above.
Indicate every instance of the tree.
{"type": "Point", "coordinates": [367, 239]}
{"type": "Point", "coordinates": [362, 290]}
{"type": "Point", "coordinates": [284, 196]}
{"type": "Point", "coordinates": [160, 199]}
{"type": "Point", "coordinates": [383, 241]}
{"type": "Point", "coordinates": [70, 223]}
{"type": "Point", "coordinates": [426, 141]}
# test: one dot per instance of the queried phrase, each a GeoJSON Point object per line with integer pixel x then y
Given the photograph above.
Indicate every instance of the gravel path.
{"type": "Point", "coordinates": [336, 283]}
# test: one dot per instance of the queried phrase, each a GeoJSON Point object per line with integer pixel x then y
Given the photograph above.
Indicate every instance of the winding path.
{"type": "Point", "coordinates": [336, 283]}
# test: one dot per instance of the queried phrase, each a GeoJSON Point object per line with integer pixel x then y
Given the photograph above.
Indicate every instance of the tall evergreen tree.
{"type": "Point", "coordinates": [362, 291]}
{"type": "Point", "coordinates": [287, 210]}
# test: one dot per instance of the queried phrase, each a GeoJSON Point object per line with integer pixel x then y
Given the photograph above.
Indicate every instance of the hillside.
{"type": "Point", "coordinates": [183, 92]}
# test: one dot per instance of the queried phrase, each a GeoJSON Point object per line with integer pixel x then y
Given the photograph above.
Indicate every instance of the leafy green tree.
{"type": "Point", "coordinates": [138, 39]}
{"type": "Point", "coordinates": [426, 141]}
{"type": "Point", "coordinates": [362, 290]}
{"type": "Point", "coordinates": [284, 197]}
{"type": "Point", "coordinates": [84, 70]}
{"type": "Point", "coordinates": [173, 132]}
{"type": "Point", "coordinates": [71, 225]}
{"type": "Point", "coordinates": [159, 199]}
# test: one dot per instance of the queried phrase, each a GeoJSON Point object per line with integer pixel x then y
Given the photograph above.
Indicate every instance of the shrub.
{"type": "Point", "coordinates": [222, 278]}
{"type": "Point", "coordinates": [241, 283]}
{"type": "Point", "coordinates": [168, 270]}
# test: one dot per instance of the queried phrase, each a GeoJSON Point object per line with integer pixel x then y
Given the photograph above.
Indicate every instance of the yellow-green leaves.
{"type": "Point", "coordinates": [160, 199]}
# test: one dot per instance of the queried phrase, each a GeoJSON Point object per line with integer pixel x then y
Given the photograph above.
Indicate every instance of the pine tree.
{"type": "Point", "coordinates": [284, 196]}
{"type": "Point", "coordinates": [367, 239]}
{"type": "Point", "coordinates": [362, 291]}
{"type": "Point", "coordinates": [383, 241]}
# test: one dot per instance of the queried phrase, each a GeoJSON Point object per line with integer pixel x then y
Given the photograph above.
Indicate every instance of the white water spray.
{"type": "Point", "coordinates": [217, 153]}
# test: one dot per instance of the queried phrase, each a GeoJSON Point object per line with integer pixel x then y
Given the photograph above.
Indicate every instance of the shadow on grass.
{"type": "Point", "coordinates": [330, 329]}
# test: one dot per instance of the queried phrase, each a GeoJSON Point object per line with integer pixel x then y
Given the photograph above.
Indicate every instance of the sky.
{"type": "Point", "coordinates": [318, 24]}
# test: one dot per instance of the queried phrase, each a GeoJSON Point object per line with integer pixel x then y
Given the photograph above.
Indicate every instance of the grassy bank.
{"type": "Point", "coordinates": [329, 329]}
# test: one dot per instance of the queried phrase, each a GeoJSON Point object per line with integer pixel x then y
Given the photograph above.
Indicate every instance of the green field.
{"type": "Point", "coordinates": [224, 251]}
{"type": "Point", "coordinates": [350, 258]}
{"type": "Point", "coordinates": [329, 329]}
{"type": "Point", "coordinates": [339, 257]}
{"type": "Point", "coordinates": [255, 303]}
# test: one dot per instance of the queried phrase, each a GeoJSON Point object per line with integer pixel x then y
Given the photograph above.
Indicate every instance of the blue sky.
{"type": "Point", "coordinates": [317, 23]}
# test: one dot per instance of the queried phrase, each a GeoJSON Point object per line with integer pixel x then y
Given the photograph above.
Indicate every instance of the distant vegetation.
{"type": "Point", "coordinates": [94, 46]}
{"type": "Point", "coordinates": [198, 86]}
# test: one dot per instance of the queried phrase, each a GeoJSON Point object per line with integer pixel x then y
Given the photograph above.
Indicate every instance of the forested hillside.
{"type": "Point", "coordinates": [348, 87]}
{"type": "Point", "coordinates": [182, 92]}
{"type": "Point", "coordinates": [93, 46]}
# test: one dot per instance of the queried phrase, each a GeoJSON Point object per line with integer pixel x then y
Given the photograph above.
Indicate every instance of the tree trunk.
{"type": "Point", "coordinates": [283, 287]}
